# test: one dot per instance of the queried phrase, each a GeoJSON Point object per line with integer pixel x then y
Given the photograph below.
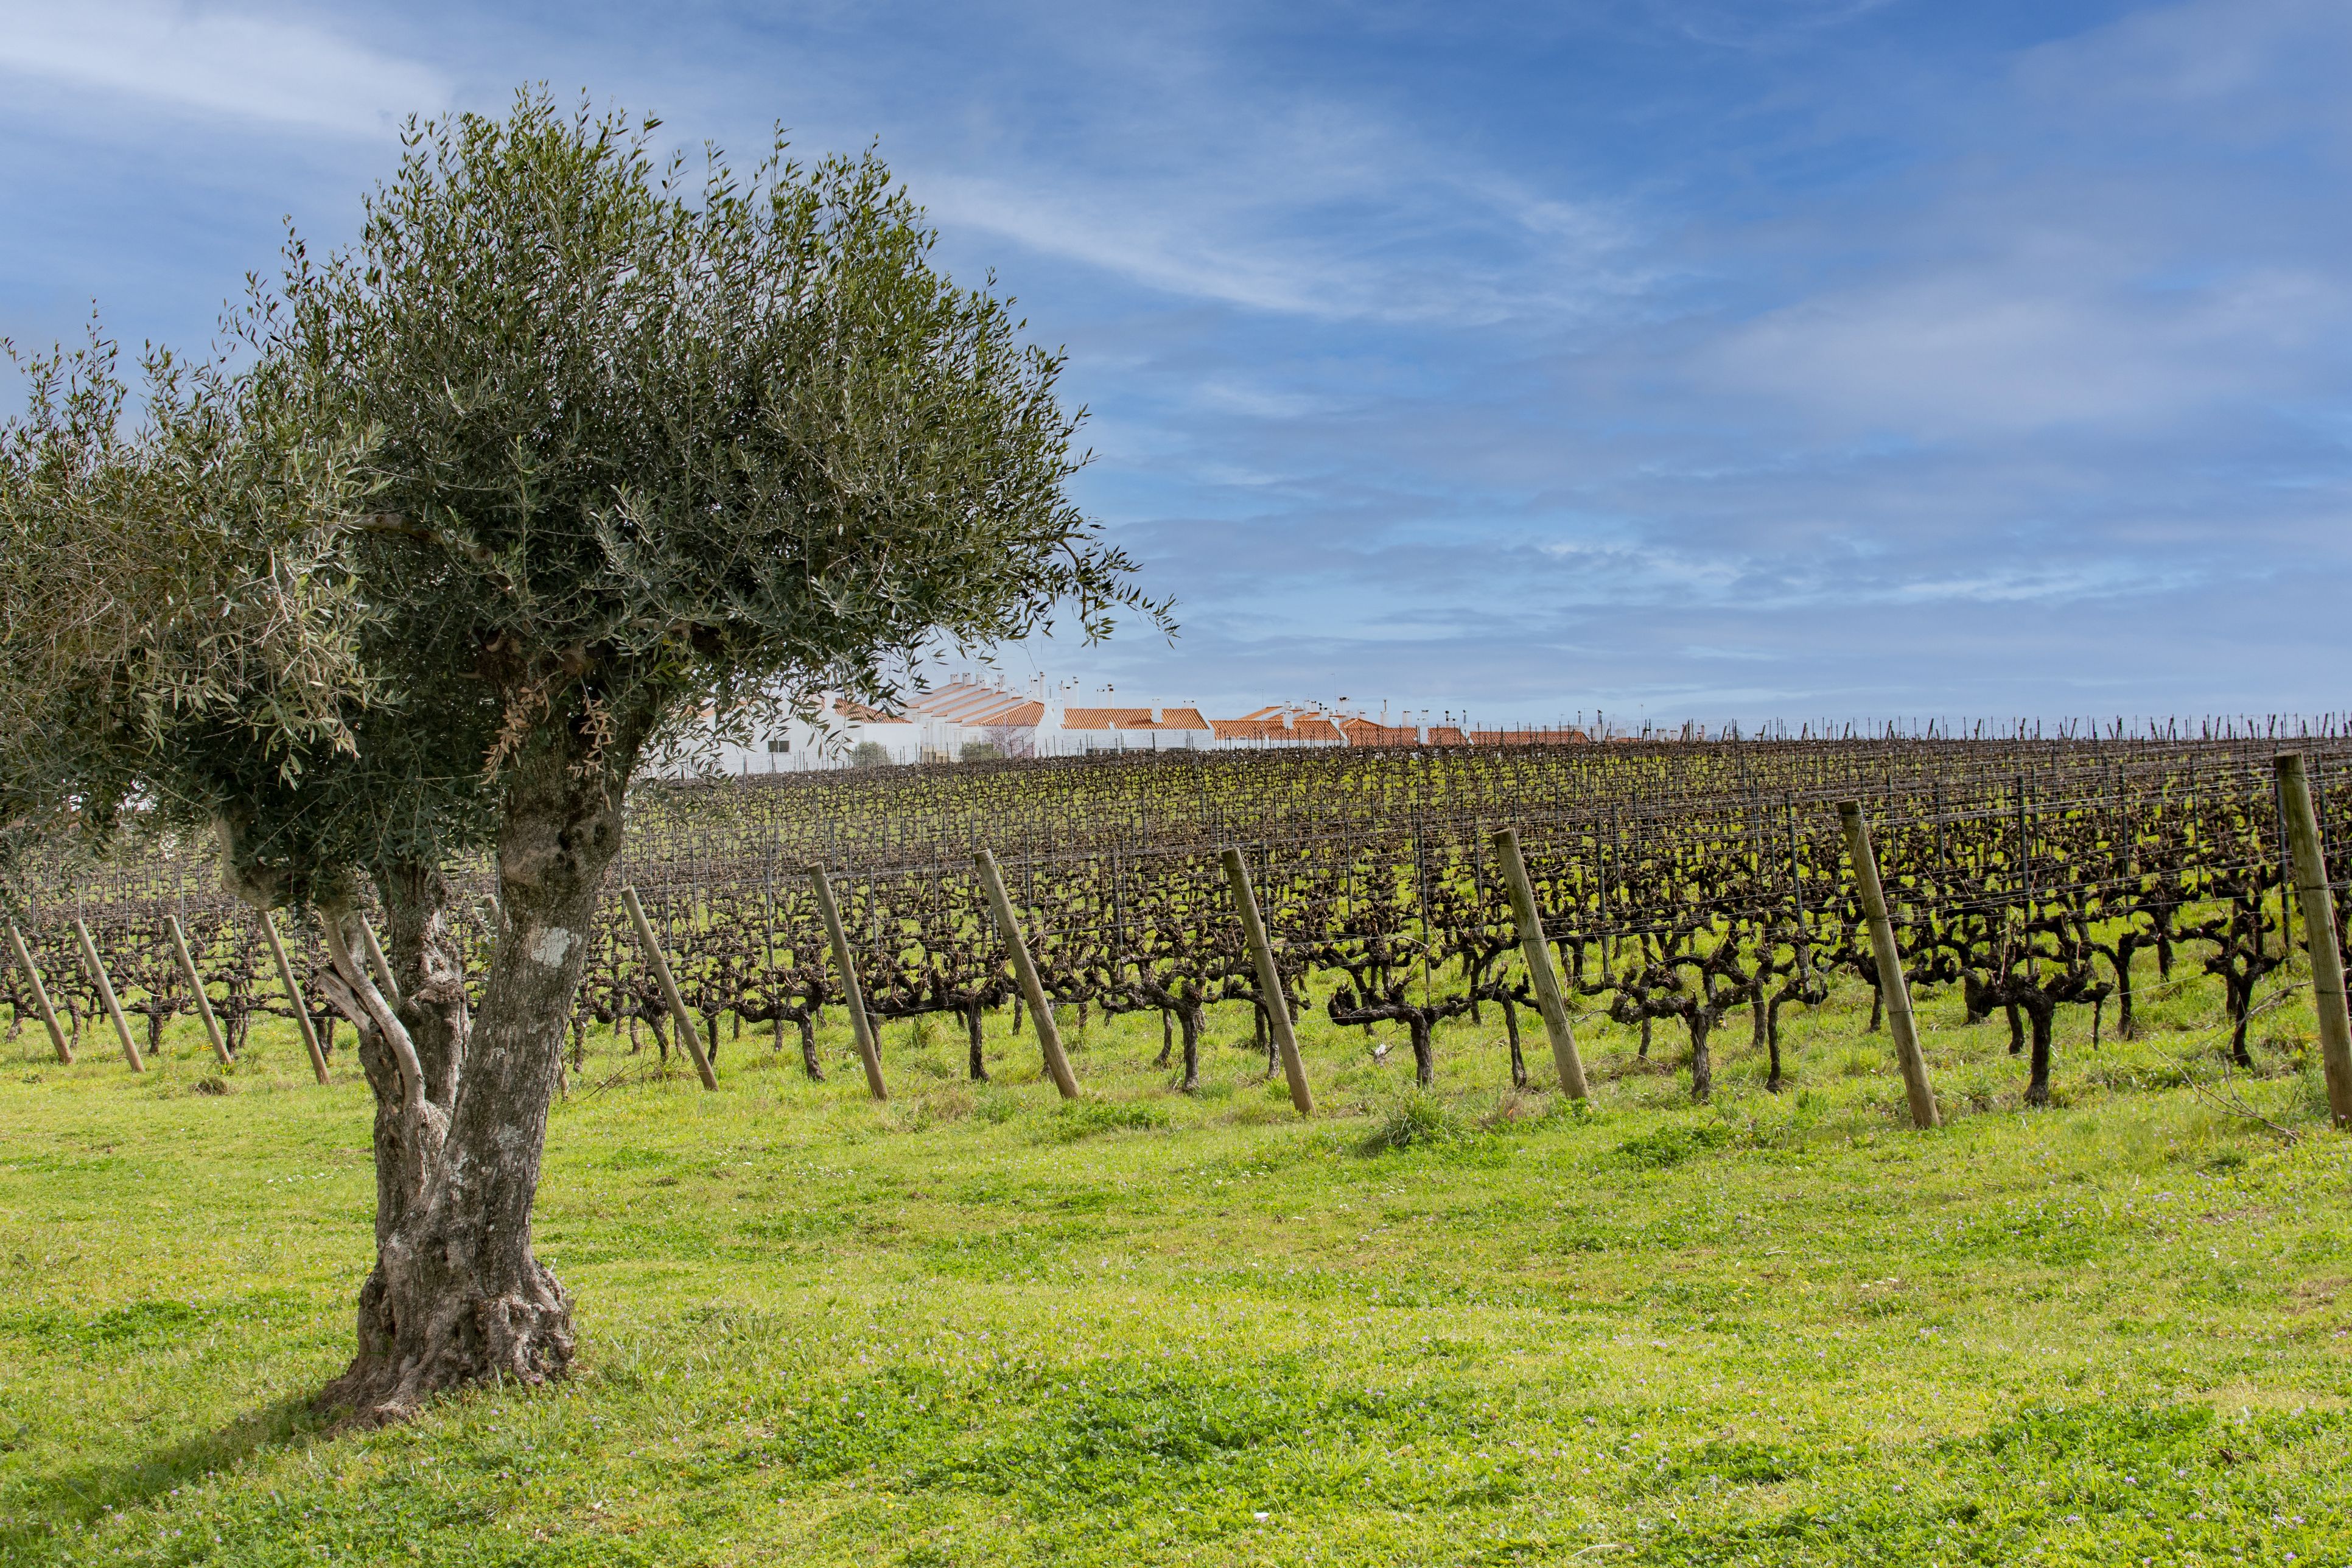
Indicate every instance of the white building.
{"type": "Point", "coordinates": [941, 725]}
{"type": "Point", "coordinates": [937, 725]}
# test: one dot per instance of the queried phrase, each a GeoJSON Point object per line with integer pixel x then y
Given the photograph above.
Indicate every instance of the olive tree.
{"type": "Point", "coordinates": [619, 445]}
{"type": "Point", "coordinates": [169, 568]}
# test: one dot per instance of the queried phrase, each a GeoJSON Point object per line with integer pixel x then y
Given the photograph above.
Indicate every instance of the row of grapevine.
{"type": "Point", "coordinates": [1681, 888]}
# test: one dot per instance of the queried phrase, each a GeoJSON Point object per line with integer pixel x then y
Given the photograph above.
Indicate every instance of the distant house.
{"type": "Point", "coordinates": [1277, 726]}
{"type": "Point", "coordinates": [1105, 719]}
{"type": "Point", "coordinates": [977, 706]}
{"type": "Point", "coordinates": [1134, 728]}
{"type": "Point", "coordinates": [1362, 731]}
{"type": "Point", "coordinates": [1318, 730]}
{"type": "Point", "coordinates": [940, 723]}
{"type": "Point", "coordinates": [964, 713]}
{"type": "Point", "coordinates": [797, 745]}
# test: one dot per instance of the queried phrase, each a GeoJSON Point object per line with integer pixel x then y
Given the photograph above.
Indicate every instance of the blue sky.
{"type": "Point", "coordinates": [1686, 358]}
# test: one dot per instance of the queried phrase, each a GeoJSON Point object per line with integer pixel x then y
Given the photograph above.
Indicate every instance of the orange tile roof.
{"type": "Point", "coordinates": [1027, 716]}
{"type": "Point", "coordinates": [1105, 718]}
{"type": "Point", "coordinates": [1269, 724]}
{"type": "Point", "coordinates": [967, 703]}
{"type": "Point", "coordinates": [1364, 733]}
{"type": "Point", "coordinates": [1447, 735]}
{"type": "Point", "coordinates": [1132, 719]}
{"type": "Point", "coordinates": [860, 714]}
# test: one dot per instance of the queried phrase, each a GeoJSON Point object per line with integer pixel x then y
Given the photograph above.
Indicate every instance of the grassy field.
{"type": "Point", "coordinates": [975, 1327]}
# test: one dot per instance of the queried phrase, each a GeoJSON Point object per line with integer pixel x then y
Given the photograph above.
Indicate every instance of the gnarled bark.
{"type": "Point", "coordinates": [456, 1296]}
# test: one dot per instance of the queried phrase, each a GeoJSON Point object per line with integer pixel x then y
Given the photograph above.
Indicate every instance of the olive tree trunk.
{"type": "Point", "coordinates": [456, 1296]}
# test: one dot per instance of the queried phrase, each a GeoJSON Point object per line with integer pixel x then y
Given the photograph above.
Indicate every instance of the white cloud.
{"type": "Point", "coordinates": [2009, 349]}
{"type": "Point", "coordinates": [239, 64]}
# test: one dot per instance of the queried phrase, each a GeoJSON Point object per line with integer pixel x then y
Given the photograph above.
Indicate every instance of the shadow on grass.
{"type": "Point", "coordinates": [82, 1494]}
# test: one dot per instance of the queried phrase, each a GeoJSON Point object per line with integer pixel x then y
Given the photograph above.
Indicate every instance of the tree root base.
{"type": "Point", "coordinates": [523, 1336]}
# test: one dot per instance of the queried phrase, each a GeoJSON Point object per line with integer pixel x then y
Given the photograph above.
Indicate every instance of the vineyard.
{"type": "Point", "coordinates": [1682, 891]}
{"type": "Point", "coordinates": [1480, 1321]}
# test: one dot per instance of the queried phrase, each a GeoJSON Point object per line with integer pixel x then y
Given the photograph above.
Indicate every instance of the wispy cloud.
{"type": "Point", "coordinates": [1330, 249]}
{"type": "Point", "coordinates": [241, 64]}
{"type": "Point", "coordinates": [1292, 201]}
{"type": "Point", "coordinates": [1741, 26]}
{"type": "Point", "coordinates": [2258, 60]}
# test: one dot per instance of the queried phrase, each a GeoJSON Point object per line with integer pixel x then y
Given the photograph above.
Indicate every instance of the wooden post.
{"type": "Point", "coordinates": [861, 1027]}
{"type": "Point", "coordinates": [106, 994]}
{"type": "Point", "coordinates": [689, 1033]}
{"type": "Point", "coordinates": [40, 994]}
{"type": "Point", "coordinates": [384, 979]}
{"type": "Point", "coordinates": [1892, 988]}
{"type": "Point", "coordinates": [196, 987]}
{"type": "Point", "coordinates": [1041, 1011]}
{"type": "Point", "coordinates": [1550, 1000]}
{"type": "Point", "coordinates": [1269, 983]}
{"type": "Point", "coordinates": [2319, 901]}
{"type": "Point", "coordinates": [294, 995]}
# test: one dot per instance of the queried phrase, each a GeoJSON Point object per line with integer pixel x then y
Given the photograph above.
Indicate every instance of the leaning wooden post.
{"type": "Point", "coordinates": [1041, 1011]}
{"type": "Point", "coordinates": [106, 994]}
{"type": "Point", "coordinates": [690, 1035]}
{"type": "Point", "coordinates": [1892, 988]}
{"type": "Point", "coordinates": [1269, 983]}
{"type": "Point", "coordinates": [1550, 1001]}
{"type": "Point", "coordinates": [2319, 930]}
{"type": "Point", "coordinates": [40, 994]}
{"type": "Point", "coordinates": [861, 1027]}
{"type": "Point", "coordinates": [197, 988]}
{"type": "Point", "coordinates": [294, 995]}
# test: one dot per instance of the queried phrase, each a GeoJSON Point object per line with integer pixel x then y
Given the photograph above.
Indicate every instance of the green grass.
{"type": "Point", "coordinates": [974, 1326]}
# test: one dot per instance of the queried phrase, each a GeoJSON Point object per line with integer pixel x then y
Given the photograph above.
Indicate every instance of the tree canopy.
{"type": "Point", "coordinates": [169, 574]}
{"type": "Point", "coordinates": [642, 446]}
